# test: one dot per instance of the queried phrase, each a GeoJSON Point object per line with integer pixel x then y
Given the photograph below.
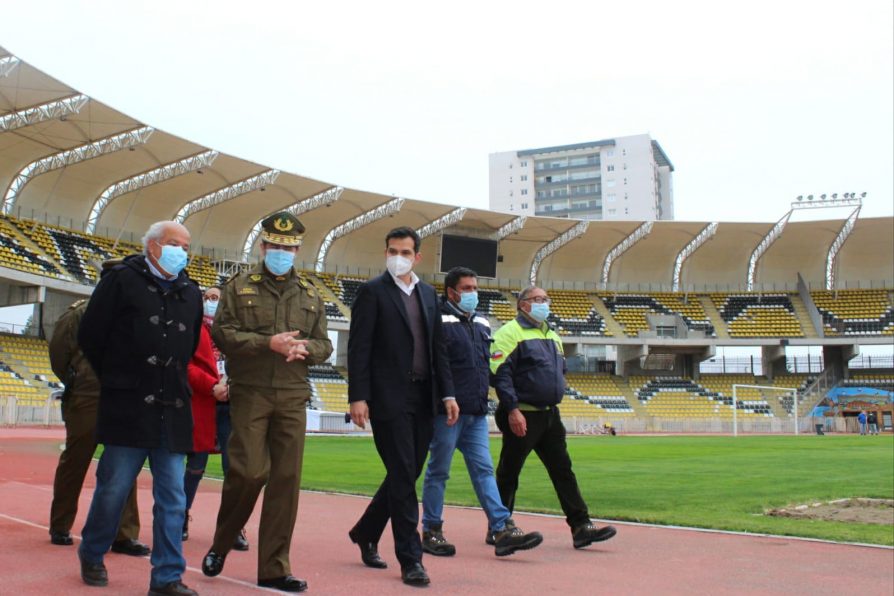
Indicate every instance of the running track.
{"type": "Point", "coordinates": [640, 560]}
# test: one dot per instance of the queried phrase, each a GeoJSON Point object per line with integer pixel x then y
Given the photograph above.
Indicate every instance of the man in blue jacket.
{"type": "Point", "coordinates": [528, 367]}
{"type": "Point", "coordinates": [467, 338]}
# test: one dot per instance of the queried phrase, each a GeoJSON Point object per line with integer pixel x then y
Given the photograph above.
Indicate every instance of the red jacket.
{"type": "Point", "coordinates": [203, 376]}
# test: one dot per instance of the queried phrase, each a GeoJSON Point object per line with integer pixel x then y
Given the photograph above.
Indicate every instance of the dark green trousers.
{"type": "Point", "coordinates": [266, 448]}
{"type": "Point", "coordinates": [79, 415]}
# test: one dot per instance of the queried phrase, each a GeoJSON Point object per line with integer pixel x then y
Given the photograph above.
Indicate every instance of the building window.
{"type": "Point", "coordinates": [524, 205]}
{"type": "Point", "coordinates": [625, 166]}
{"type": "Point", "coordinates": [624, 152]}
{"type": "Point", "coordinates": [610, 197]}
{"type": "Point", "coordinates": [510, 179]}
{"type": "Point", "coordinates": [524, 191]}
{"type": "Point", "coordinates": [611, 212]}
{"type": "Point", "coordinates": [609, 168]}
{"type": "Point", "coordinates": [523, 178]}
{"type": "Point", "coordinates": [609, 152]}
{"type": "Point", "coordinates": [625, 181]}
{"type": "Point", "coordinates": [510, 193]}
{"type": "Point", "coordinates": [523, 164]}
{"type": "Point", "coordinates": [625, 196]}
{"type": "Point", "coordinates": [511, 207]}
{"type": "Point", "coordinates": [609, 183]}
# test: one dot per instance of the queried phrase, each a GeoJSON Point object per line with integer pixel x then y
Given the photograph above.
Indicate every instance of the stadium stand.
{"type": "Point", "coordinates": [329, 389]}
{"type": "Point", "coordinates": [25, 370]}
{"type": "Point", "coordinates": [758, 315]}
{"type": "Point", "coordinates": [883, 381]}
{"type": "Point", "coordinates": [630, 310]}
{"type": "Point", "coordinates": [573, 313]}
{"type": "Point", "coordinates": [855, 312]}
{"type": "Point", "coordinates": [597, 390]}
{"type": "Point", "coordinates": [15, 253]}
{"type": "Point", "coordinates": [677, 397]}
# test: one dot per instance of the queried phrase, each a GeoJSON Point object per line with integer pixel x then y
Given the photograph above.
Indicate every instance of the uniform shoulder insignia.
{"type": "Point", "coordinates": [302, 282]}
{"type": "Point", "coordinates": [255, 277]}
{"type": "Point", "coordinates": [77, 304]}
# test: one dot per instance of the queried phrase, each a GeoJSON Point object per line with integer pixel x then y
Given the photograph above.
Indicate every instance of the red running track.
{"type": "Point", "coordinates": [640, 560]}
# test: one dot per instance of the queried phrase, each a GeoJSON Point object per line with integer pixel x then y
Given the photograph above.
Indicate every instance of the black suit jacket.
{"type": "Point", "coordinates": [380, 348]}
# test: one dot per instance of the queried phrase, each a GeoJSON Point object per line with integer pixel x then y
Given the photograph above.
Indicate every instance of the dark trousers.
{"type": "Point", "coordinates": [546, 437]}
{"type": "Point", "coordinates": [79, 414]}
{"type": "Point", "coordinates": [402, 443]}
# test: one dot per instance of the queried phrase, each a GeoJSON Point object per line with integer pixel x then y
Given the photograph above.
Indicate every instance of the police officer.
{"type": "Point", "coordinates": [271, 325]}
{"type": "Point", "coordinates": [79, 403]}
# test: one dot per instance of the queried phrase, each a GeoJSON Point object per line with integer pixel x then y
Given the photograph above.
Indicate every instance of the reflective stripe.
{"type": "Point", "coordinates": [482, 321]}
{"type": "Point", "coordinates": [449, 319]}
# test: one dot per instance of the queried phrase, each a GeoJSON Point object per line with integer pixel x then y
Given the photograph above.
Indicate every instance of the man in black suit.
{"type": "Point", "coordinates": [397, 372]}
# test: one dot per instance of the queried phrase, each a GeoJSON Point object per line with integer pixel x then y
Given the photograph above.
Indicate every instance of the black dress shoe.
{"type": "Point", "coordinates": [61, 538]}
{"type": "Point", "coordinates": [131, 547]}
{"type": "Point", "coordinates": [172, 589]}
{"type": "Point", "coordinates": [94, 574]}
{"type": "Point", "coordinates": [241, 542]}
{"type": "Point", "coordinates": [369, 552]}
{"type": "Point", "coordinates": [213, 563]}
{"type": "Point", "coordinates": [414, 575]}
{"type": "Point", "coordinates": [288, 583]}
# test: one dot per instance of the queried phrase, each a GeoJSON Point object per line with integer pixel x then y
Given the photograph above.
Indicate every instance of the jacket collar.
{"type": "Point", "coordinates": [448, 307]}
{"type": "Point", "coordinates": [140, 264]}
{"type": "Point", "coordinates": [527, 323]}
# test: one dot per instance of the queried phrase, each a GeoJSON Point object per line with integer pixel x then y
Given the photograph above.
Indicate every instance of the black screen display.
{"type": "Point", "coordinates": [477, 254]}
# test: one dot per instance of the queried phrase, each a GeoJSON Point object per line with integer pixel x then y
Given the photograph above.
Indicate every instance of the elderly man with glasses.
{"type": "Point", "coordinates": [528, 372]}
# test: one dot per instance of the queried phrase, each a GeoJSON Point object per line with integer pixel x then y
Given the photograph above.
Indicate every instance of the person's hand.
{"type": "Point", "coordinates": [452, 411]}
{"type": "Point", "coordinates": [221, 392]}
{"type": "Point", "coordinates": [282, 342]}
{"type": "Point", "coordinates": [298, 350]}
{"type": "Point", "coordinates": [359, 413]}
{"type": "Point", "coordinates": [518, 423]}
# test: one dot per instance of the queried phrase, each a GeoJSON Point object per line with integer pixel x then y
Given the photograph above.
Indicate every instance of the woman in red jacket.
{"type": "Point", "coordinates": [207, 391]}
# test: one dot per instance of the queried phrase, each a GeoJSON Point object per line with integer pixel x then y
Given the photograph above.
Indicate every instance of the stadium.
{"type": "Point", "coordinates": [646, 310]}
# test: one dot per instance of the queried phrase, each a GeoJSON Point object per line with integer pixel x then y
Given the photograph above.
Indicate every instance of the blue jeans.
{"type": "Point", "coordinates": [469, 435]}
{"type": "Point", "coordinates": [115, 475]}
{"type": "Point", "coordinates": [195, 469]}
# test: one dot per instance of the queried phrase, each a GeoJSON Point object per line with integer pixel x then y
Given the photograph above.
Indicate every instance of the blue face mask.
{"type": "Point", "coordinates": [210, 307]}
{"type": "Point", "coordinates": [539, 312]}
{"type": "Point", "coordinates": [468, 301]}
{"type": "Point", "coordinates": [279, 262]}
{"type": "Point", "coordinates": [173, 259]}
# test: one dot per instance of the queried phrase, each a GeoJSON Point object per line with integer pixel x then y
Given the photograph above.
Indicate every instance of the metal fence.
{"type": "Point", "coordinates": [15, 412]}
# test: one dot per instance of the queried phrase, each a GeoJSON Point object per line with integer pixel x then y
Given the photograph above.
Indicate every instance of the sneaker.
{"type": "Point", "coordinates": [490, 539]}
{"type": "Point", "coordinates": [241, 542]}
{"type": "Point", "coordinates": [511, 539]}
{"type": "Point", "coordinates": [434, 543]}
{"type": "Point", "coordinates": [588, 534]}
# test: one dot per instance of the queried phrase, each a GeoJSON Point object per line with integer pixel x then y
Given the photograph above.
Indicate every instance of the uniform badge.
{"type": "Point", "coordinates": [247, 291]}
{"type": "Point", "coordinates": [255, 277]}
{"type": "Point", "coordinates": [282, 224]}
{"type": "Point", "coordinates": [496, 355]}
{"type": "Point", "coordinates": [311, 293]}
{"type": "Point", "coordinates": [302, 282]}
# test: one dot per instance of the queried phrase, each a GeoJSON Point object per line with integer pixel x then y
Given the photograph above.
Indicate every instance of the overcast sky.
{"type": "Point", "coordinates": [753, 102]}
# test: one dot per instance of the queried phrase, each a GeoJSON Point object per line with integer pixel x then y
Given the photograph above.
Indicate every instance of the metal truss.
{"type": "Point", "coordinates": [227, 193]}
{"type": "Point", "coordinates": [383, 210]}
{"type": "Point", "coordinates": [325, 198]}
{"type": "Point", "coordinates": [557, 243]}
{"type": "Point", "coordinates": [694, 244]}
{"type": "Point", "coordinates": [43, 112]}
{"type": "Point", "coordinates": [510, 228]}
{"type": "Point", "coordinates": [840, 239]}
{"type": "Point", "coordinates": [445, 221]}
{"type": "Point", "coordinates": [124, 140]}
{"type": "Point", "coordinates": [848, 199]}
{"type": "Point", "coordinates": [623, 246]}
{"type": "Point", "coordinates": [7, 65]}
{"type": "Point", "coordinates": [159, 174]}
{"type": "Point", "coordinates": [771, 237]}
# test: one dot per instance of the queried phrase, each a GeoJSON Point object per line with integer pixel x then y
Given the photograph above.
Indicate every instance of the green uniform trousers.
{"type": "Point", "coordinates": [79, 415]}
{"type": "Point", "coordinates": [266, 447]}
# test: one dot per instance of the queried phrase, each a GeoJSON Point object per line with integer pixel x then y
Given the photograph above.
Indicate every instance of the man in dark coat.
{"type": "Point", "coordinates": [398, 373]}
{"type": "Point", "coordinates": [139, 332]}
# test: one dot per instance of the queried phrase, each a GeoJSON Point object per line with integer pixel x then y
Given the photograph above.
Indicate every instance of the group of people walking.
{"type": "Point", "coordinates": [155, 369]}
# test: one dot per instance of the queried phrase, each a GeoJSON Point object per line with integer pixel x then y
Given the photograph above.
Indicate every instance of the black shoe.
{"type": "Point", "coordinates": [213, 563]}
{"type": "Point", "coordinates": [414, 575]}
{"type": "Point", "coordinates": [131, 547]}
{"type": "Point", "coordinates": [94, 574]}
{"type": "Point", "coordinates": [172, 589]}
{"type": "Point", "coordinates": [512, 539]}
{"type": "Point", "coordinates": [369, 552]}
{"type": "Point", "coordinates": [241, 542]}
{"type": "Point", "coordinates": [285, 584]}
{"type": "Point", "coordinates": [61, 538]}
{"type": "Point", "coordinates": [588, 534]}
{"type": "Point", "coordinates": [434, 543]}
{"type": "Point", "coordinates": [185, 536]}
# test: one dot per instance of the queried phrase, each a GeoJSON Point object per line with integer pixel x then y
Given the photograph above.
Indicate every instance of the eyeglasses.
{"type": "Point", "coordinates": [539, 300]}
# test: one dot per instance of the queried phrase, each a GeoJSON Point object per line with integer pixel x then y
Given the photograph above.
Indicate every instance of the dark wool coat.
{"type": "Point", "coordinates": [139, 334]}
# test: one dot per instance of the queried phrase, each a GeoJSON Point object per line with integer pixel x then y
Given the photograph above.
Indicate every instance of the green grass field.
{"type": "Point", "coordinates": [706, 482]}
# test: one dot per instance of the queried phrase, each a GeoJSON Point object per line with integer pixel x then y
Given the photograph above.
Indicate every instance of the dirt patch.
{"type": "Point", "coordinates": [856, 510]}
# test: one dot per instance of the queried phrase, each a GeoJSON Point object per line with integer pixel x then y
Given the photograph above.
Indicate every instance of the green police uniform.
{"type": "Point", "coordinates": [79, 406]}
{"type": "Point", "coordinates": [268, 397]}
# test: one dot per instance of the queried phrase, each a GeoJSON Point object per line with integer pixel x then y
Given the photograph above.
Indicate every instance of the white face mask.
{"type": "Point", "coordinates": [398, 265]}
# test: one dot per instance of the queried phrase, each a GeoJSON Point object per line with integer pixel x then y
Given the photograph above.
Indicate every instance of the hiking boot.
{"type": "Point", "coordinates": [510, 539]}
{"type": "Point", "coordinates": [587, 534]}
{"type": "Point", "coordinates": [434, 543]}
{"type": "Point", "coordinates": [490, 538]}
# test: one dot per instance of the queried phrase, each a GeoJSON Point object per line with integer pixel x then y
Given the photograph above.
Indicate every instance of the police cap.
{"type": "Point", "coordinates": [282, 228]}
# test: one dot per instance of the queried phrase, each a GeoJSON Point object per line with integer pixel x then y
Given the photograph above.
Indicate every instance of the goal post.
{"type": "Point", "coordinates": [763, 390]}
